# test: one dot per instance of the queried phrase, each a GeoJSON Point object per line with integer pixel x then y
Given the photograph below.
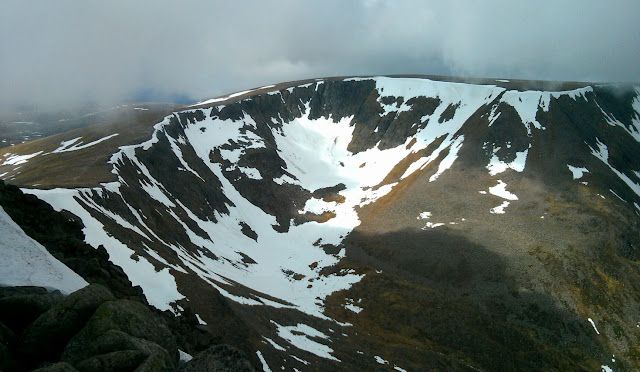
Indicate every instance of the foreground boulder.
{"type": "Point", "coordinates": [46, 336]}
{"type": "Point", "coordinates": [123, 335]}
{"type": "Point", "coordinates": [19, 306]}
{"type": "Point", "coordinates": [119, 351]}
{"type": "Point", "coordinates": [89, 330]}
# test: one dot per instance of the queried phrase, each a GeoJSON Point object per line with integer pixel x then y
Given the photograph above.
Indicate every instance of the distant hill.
{"type": "Point", "coordinates": [27, 124]}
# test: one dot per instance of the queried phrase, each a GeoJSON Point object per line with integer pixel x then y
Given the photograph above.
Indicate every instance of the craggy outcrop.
{"type": "Point", "coordinates": [105, 326]}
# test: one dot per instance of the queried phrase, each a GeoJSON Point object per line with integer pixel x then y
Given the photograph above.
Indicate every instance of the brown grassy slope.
{"type": "Point", "coordinates": [86, 167]}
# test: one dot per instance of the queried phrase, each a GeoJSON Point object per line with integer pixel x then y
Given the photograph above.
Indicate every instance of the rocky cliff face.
{"type": "Point", "coordinates": [381, 222]}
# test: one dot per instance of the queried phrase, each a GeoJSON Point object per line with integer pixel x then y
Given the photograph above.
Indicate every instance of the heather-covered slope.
{"type": "Point", "coordinates": [398, 222]}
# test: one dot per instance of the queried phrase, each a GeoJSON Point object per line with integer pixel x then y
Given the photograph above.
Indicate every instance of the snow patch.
{"type": "Point", "coordinates": [275, 345]}
{"type": "Point", "coordinates": [300, 360]}
{"type": "Point", "coordinates": [497, 166]}
{"type": "Point", "coordinates": [432, 225]}
{"type": "Point", "coordinates": [350, 305]}
{"type": "Point", "coordinates": [500, 190]}
{"type": "Point", "coordinates": [25, 262]}
{"type": "Point", "coordinates": [252, 173]}
{"type": "Point", "coordinates": [72, 145]}
{"type": "Point", "coordinates": [617, 196]}
{"type": "Point", "coordinates": [500, 209]}
{"type": "Point", "coordinates": [184, 356]}
{"type": "Point", "coordinates": [300, 336]}
{"type": "Point", "coordinates": [593, 324]}
{"type": "Point", "coordinates": [200, 320]}
{"type": "Point", "coordinates": [353, 308]}
{"type": "Point", "coordinates": [428, 225]}
{"type": "Point", "coordinates": [265, 366]}
{"type": "Point", "coordinates": [380, 360]}
{"type": "Point", "coordinates": [447, 162]}
{"type": "Point", "coordinates": [577, 172]}
{"type": "Point", "coordinates": [16, 159]}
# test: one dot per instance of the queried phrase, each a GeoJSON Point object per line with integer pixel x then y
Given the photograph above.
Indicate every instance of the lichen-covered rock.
{"type": "Point", "coordinates": [123, 325]}
{"type": "Point", "coordinates": [118, 351]}
{"type": "Point", "coordinates": [46, 336]}
{"type": "Point", "coordinates": [219, 358]}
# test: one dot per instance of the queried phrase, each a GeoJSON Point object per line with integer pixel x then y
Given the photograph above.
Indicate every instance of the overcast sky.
{"type": "Point", "coordinates": [57, 52]}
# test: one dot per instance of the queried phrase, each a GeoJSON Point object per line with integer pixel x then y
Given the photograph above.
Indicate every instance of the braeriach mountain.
{"type": "Point", "coordinates": [360, 223]}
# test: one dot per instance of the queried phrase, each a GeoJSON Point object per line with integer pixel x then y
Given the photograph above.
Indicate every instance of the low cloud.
{"type": "Point", "coordinates": [67, 52]}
